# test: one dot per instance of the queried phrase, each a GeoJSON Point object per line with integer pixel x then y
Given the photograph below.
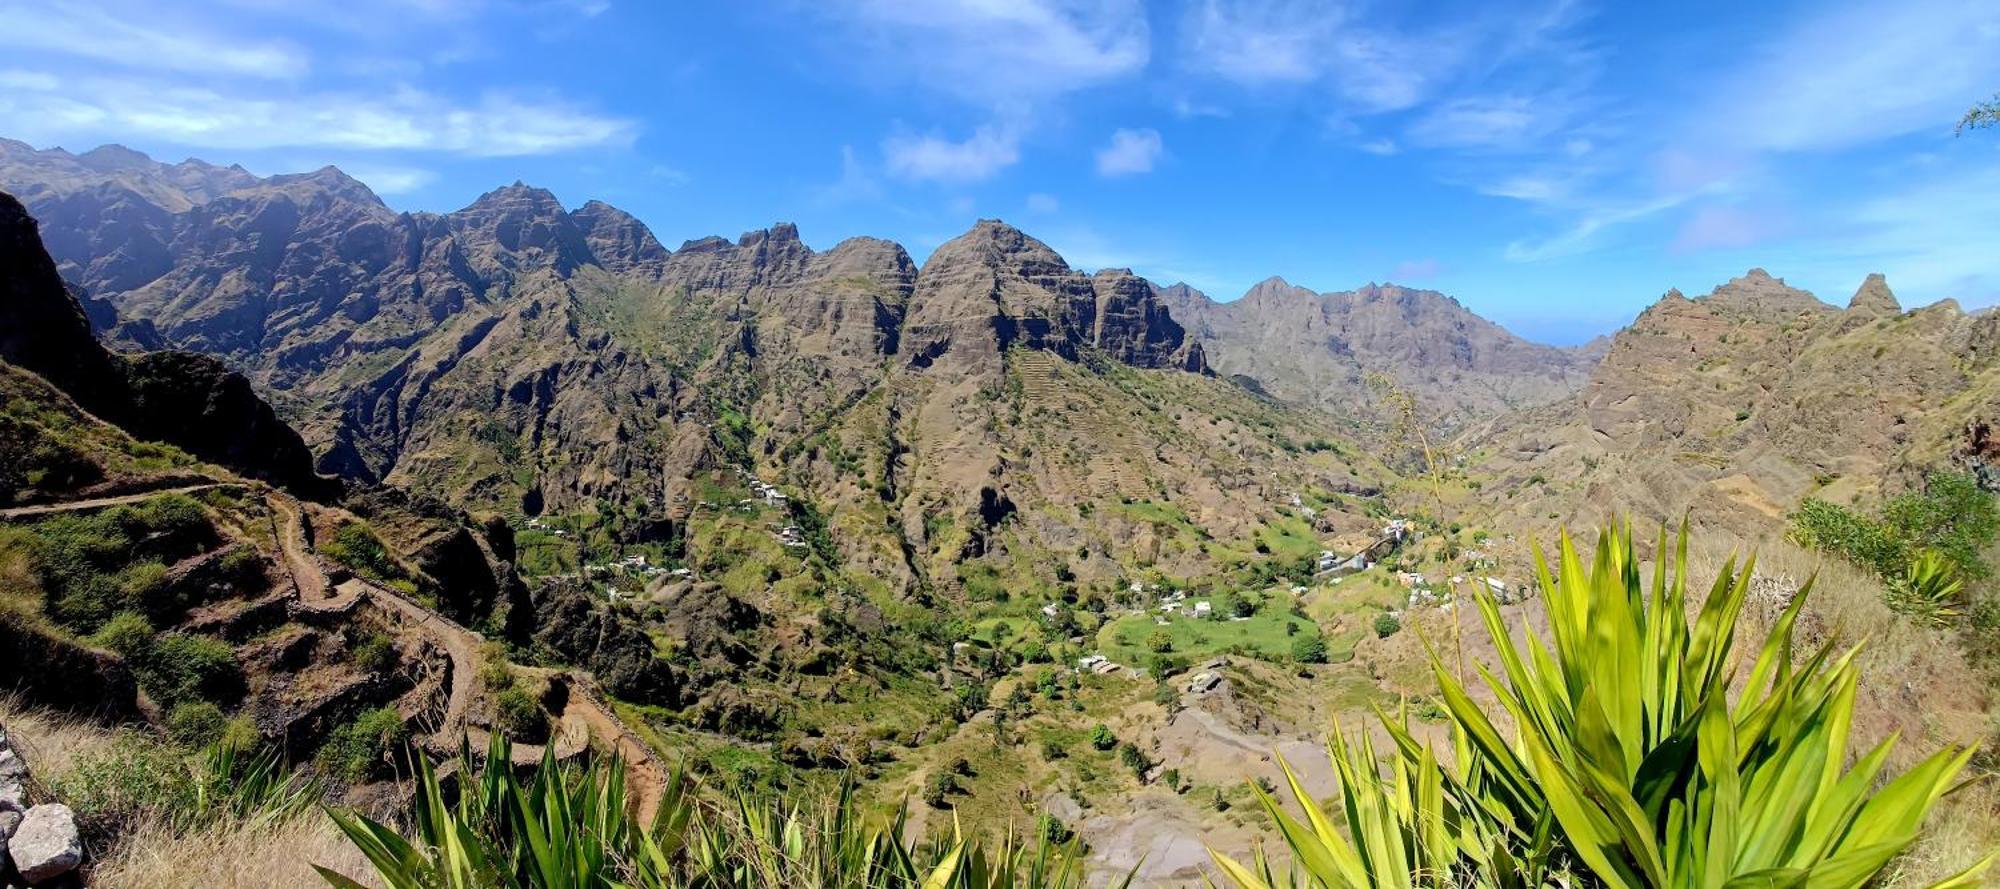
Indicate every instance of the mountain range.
{"type": "Point", "coordinates": [522, 358]}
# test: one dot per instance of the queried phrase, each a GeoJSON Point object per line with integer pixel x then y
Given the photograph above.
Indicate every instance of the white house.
{"type": "Point", "coordinates": [1202, 609]}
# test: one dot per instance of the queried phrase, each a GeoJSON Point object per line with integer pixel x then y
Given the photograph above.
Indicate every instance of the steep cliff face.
{"type": "Point", "coordinates": [1319, 349]}
{"type": "Point", "coordinates": [994, 288]}
{"type": "Point", "coordinates": [189, 400]}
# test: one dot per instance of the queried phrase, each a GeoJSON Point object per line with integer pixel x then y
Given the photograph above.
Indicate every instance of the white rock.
{"type": "Point", "coordinates": [46, 844]}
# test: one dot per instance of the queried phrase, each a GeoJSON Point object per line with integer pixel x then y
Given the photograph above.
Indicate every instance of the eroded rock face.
{"type": "Point", "coordinates": [46, 845]}
{"type": "Point", "coordinates": [994, 288]}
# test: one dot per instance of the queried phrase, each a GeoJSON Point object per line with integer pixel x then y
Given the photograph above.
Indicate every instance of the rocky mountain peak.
{"type": "Point", "coordinates": [1875, 298]}
{"type": "Point", "coordinates": [519, 197]}
{"type": "Point", "coordinates": [618, 240]}
{"type": "Point", "coordinates": [1758, 295]}
{"type": "Point", "coordinates": [995, 287]}
{"type": "Point", "coordinates": [114, 157]}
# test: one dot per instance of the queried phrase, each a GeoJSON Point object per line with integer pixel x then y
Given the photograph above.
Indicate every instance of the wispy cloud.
{"type": "Point", "coordinates": [141, 41]}
{"type": "Point", "coordinates": [1131, 152]}
{"type": "Point", "coordinates": [494, 125]}
{"type": "Point", "coordinates": [993, 52]}
{"type": "Point", "coordinates": [1043, 203]}
{"type": "Point", "coordinates": [932, 158]}
{"type": "Point", "coordinates": [1859, 73]}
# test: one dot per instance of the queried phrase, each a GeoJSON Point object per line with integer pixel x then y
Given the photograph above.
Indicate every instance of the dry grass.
{"type": "Point", "coordinates": [234, 855]}
{"type": "Point", "coordinates": [51, 743]}
{"type": "Point", "coordinates": [225, 855]}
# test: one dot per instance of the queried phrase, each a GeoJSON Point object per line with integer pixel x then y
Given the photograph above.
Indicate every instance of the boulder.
{"type": "Point", "coordinates": [46, 845]}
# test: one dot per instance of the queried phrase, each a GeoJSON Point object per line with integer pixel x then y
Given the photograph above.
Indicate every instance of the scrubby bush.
{"type": "Point", "coordinates": [128, 633]}
{"type": "Point", "coordinates": [1102, 738]}
{"type": "Point", "coordinates": [375, 653]}
{"type": "Point", "coordinates": [938, 789]}
{"type": "Point", "coordinates": [194, 723]}
{"type": "Point", "coordinates": [519, 716]}
{"type": "Point", "coordinates": [359, 750]}
{"type": "Point", "coordinates": [1309, 649]}
{"type": "Point", "coordinates": [1160, 641]}
{"type": "Point", "coordinates": [1387, 624]}
{"type": "Point", "coordinates": [355, 545]}
{"type": "Point", "coordinates": [180, 668]}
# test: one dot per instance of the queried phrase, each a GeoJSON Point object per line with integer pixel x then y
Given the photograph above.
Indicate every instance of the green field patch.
{"type": "Point", "coordinates": [1128, 640]}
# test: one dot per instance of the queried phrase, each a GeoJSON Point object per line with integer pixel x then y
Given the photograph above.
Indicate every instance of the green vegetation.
{"type": "Point", "coordinates": [90, 566]}
{"type": "Point", "coordinates": [360, 749]}
{"type": "Point", "coordinates": [1267, 634]}
{"type": "Point", "coordinates": [174, 669]}
{"type": "Point", "coordinates": [1387, 624]}
{"type": "Point", "coordinates": [1628, 764]}
{"type": "Point", "coordinates": [137, 779]}
{"type": "Point", "coordinates": [519, 716]}
{"type": "Point", "coordinates": [355, 545]}
{"type": "Point", "coordinates": [563, 828]}
{"type": "Point", "coordinates": [1924, 545]}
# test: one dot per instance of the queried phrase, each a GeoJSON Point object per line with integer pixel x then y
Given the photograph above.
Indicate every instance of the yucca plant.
{"type": "Point", "coordinates": [1930, 591]}
{"type": "Point", "coordinates": [569, 828]}
{"type": "Point", "coordinates": [1627, 762]}
{"type": "Point", "coordinates": [250, 785]}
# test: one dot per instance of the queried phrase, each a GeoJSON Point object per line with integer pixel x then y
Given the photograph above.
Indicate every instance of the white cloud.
{"type": "Point", "coordinates": [932, 158]}
{"type": "Point", "coordinates": [994, 51]}
{"type": "Point", "coordinates": [1043, 203]}
{"type": "Point", "coordinates": [1859, 74]}
{"type": "Point", "coordinates": [1721, 228]}
{"type": "Point", "coordinates": [1255, 42]}
{"type": "Point", "coordinates": [1130, 152]}
{"type": "Point", "coordinates": [402, 119]}
{"type": "Point", "coordinates": [97, 34]}
{"type": "Point", "coordinates": [1495, 122]}
{"type": "Point", "coordinates": [668, 175]}
{"type": "Point", "coordinates": [1383, 147]}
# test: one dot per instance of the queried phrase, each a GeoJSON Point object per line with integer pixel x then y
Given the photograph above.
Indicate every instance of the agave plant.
{"type": "Point", "coordinates": [1628, 763]}
{"type": "Point", "coordinates": [1930, 590]}
{"type": "Point", "coordinates": [570, 828]}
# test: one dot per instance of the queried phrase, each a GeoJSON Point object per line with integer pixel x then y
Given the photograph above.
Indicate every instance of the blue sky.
{"type": "Point", "coordinates": [1556, 166]}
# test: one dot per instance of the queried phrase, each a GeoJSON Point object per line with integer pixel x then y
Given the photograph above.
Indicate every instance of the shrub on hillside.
{"type": "Point", "coordinates": [1387, 624]}
{"type": "Point", "coordinates": [1309, 650]}
{"type": "Point", "coordinates": [194, 723]}
{"type": "Point", "coordinates": [1102, 738]}
{"type": "Point", "coordinates": [519, 716]}
{"type": "Point", "coordinates": [360, 749]}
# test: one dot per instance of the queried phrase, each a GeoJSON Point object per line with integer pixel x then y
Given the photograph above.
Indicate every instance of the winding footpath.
{"type": "Point", "coordinates": [95, 503]}
{"type": "Point", "coordinates": [586, 715]}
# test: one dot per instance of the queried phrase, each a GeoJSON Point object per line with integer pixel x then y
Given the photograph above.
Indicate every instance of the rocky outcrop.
{"type": "Point", "coordinates": [995, 288]}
